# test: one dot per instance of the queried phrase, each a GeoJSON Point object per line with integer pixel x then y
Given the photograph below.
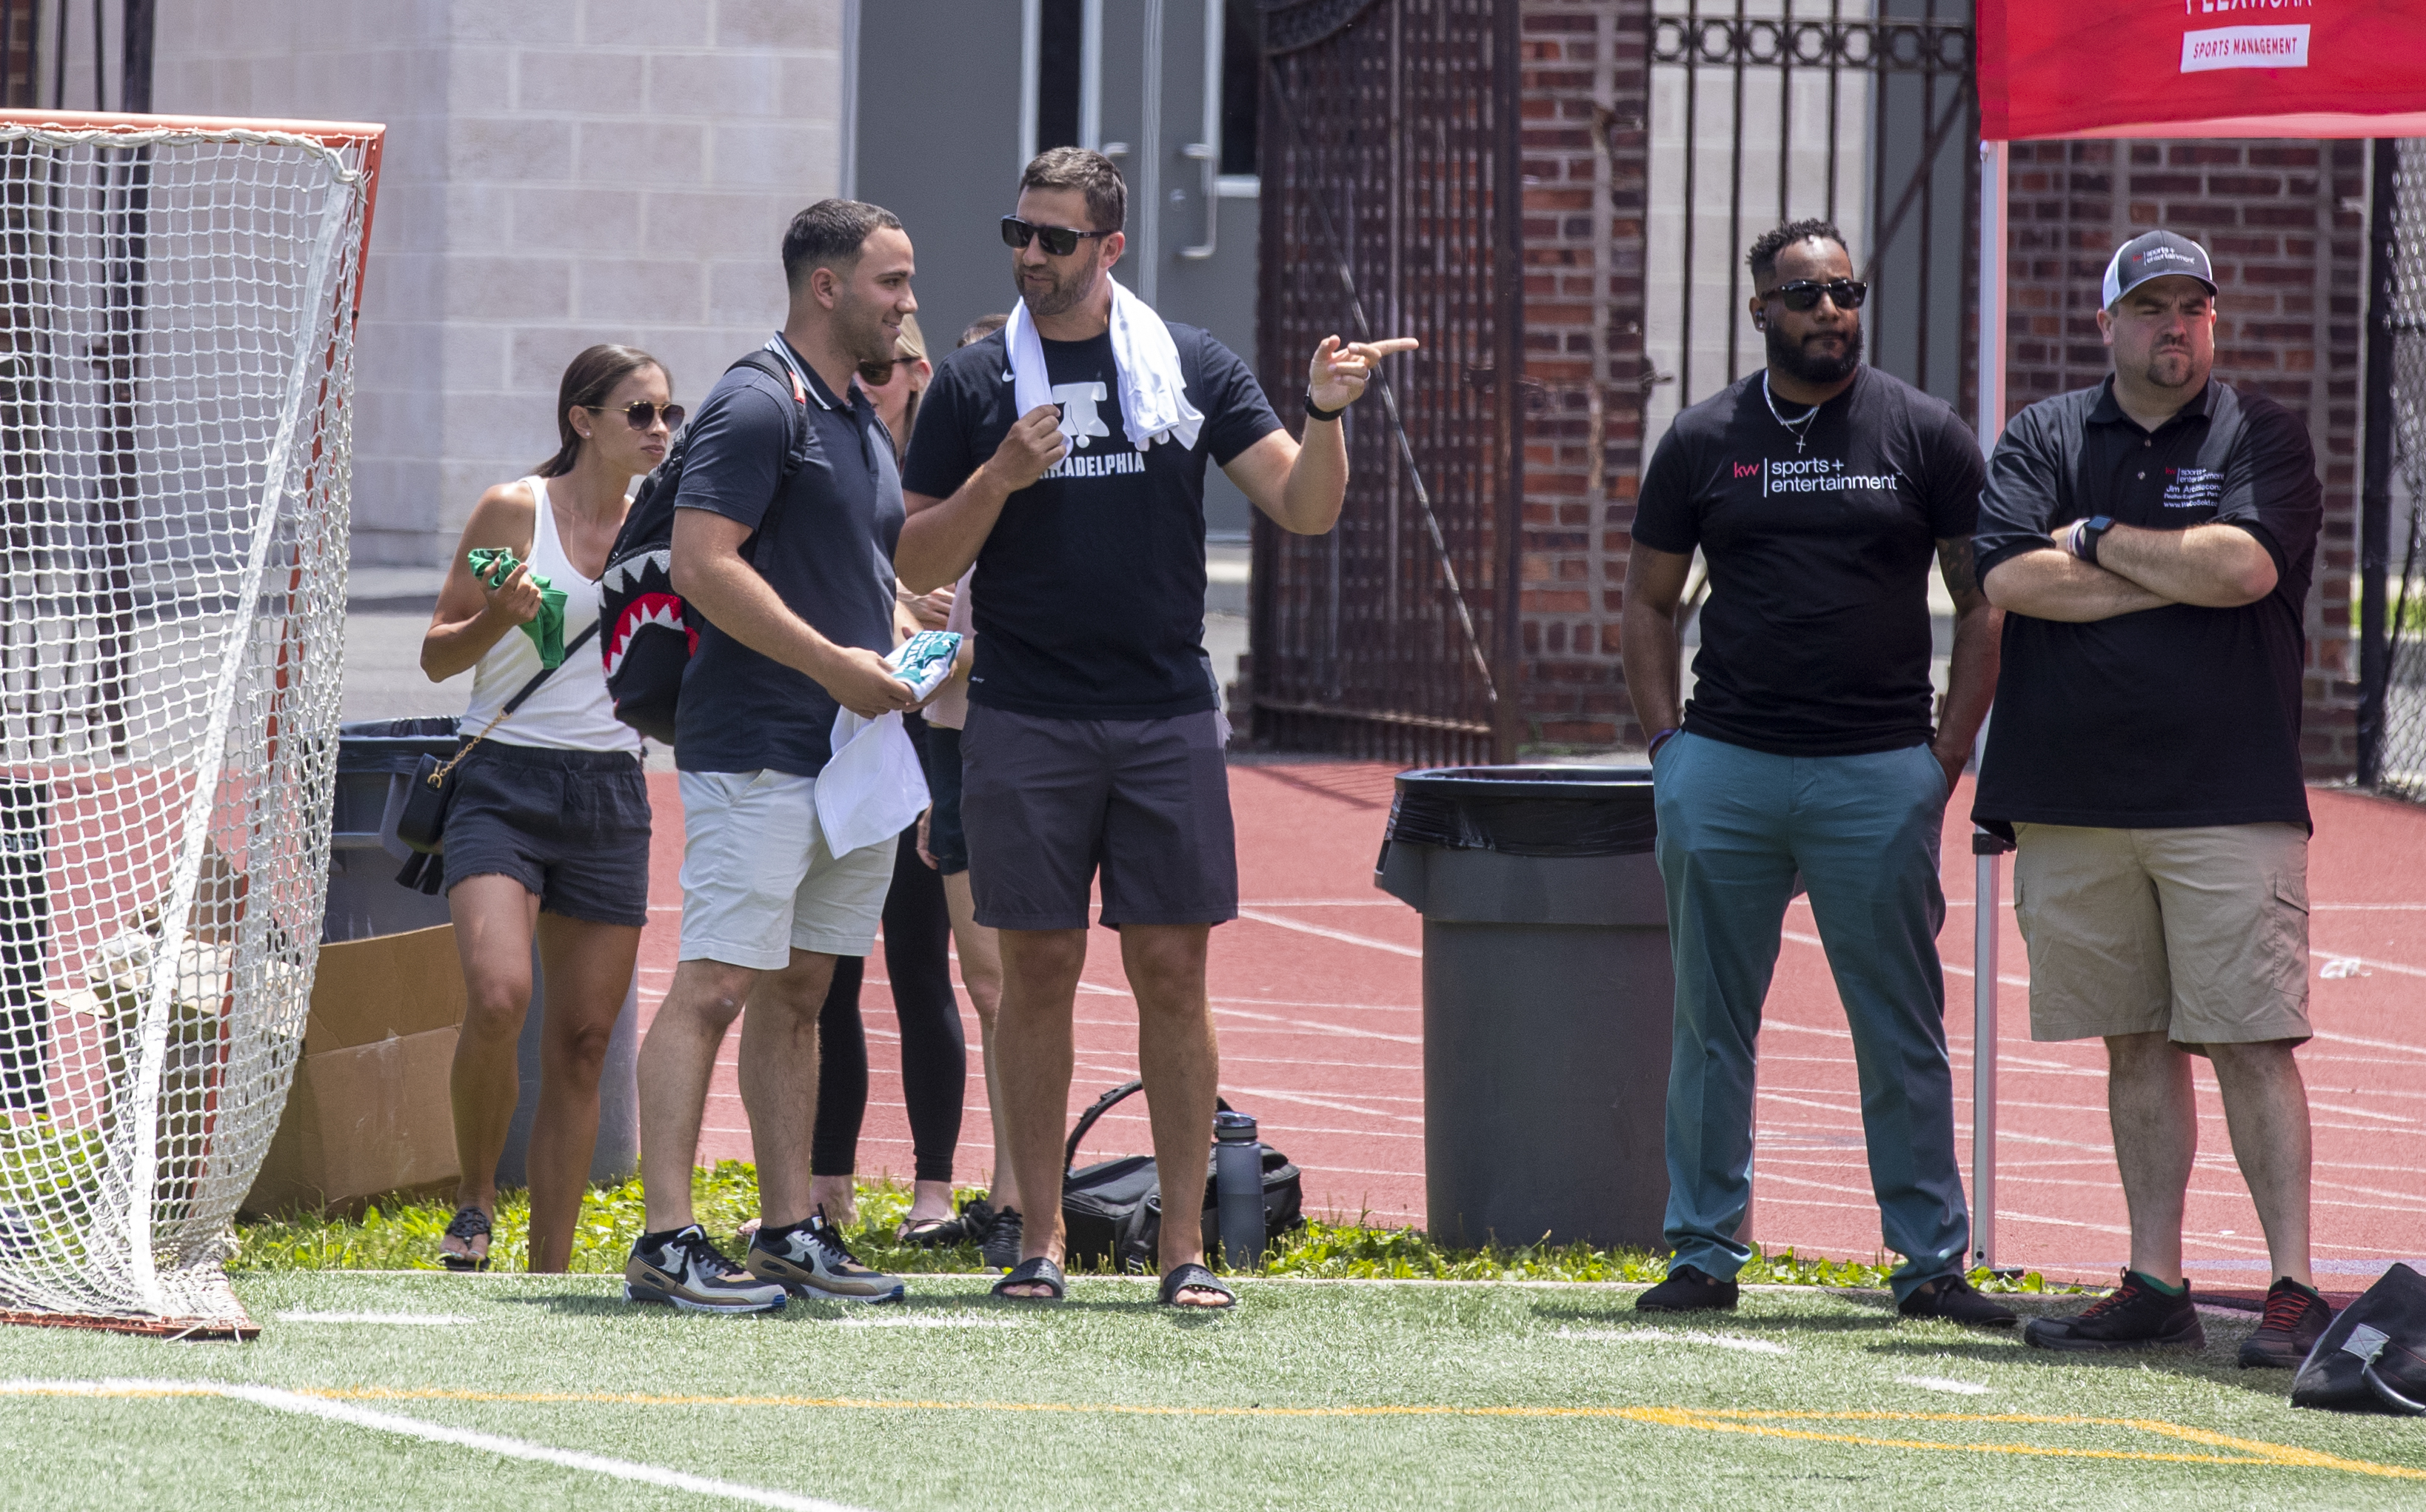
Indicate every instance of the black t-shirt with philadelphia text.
{"type": "Point", "coordinates": [1090, 592]}
{"type": "Point", "coordinates": [2176, 716]}
{"type": "Point", "coordinates": [1814, 639]}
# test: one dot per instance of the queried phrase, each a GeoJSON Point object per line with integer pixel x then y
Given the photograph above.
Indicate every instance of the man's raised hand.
{"type": "Point", "coordinates": [1339, 372]}
{"type": "Point", "coordinates": [1032, 446]}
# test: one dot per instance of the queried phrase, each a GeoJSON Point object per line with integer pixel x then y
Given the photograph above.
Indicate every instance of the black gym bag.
{"type": "Point", "coordinates": [2373, 1356]}
{"type": "Point", "coordinates": [1111, 1212]}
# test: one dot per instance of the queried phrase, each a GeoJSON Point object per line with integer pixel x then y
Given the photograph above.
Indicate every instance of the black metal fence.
{"type": "Point", "coordinates": [2392, 528]}
{"type": "Point", "coordinates": [1390, 204]}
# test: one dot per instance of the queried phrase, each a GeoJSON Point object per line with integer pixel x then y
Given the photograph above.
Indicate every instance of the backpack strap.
{"type": "Point", "coordinates": [781, 371]}
{"type": "Point", "coordinates": [1103, 1105]}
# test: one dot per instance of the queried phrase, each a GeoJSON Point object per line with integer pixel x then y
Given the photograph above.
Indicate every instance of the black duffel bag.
{"type": "Point", "coordinates": [2373, 1356]}
{"type": "Point", "coordinates": [1111, 1212]}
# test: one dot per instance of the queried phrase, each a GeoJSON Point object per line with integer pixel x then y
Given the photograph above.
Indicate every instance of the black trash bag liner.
{"type": "Point", "coordinates": [2373, 1356]}
{"type": "Point", "coordinates": [395, 746]}
{"type": "Point", "coordinates": [1526, 811]}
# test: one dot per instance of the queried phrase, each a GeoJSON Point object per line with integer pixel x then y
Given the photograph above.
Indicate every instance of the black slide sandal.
{"type": "Point", "coordinates": [1195, 1278]}
{"type": "Point", "coordinates": [929, 1234]}
{"type": "Point", "coordinates": [467, 1225]}
{"type": "Point", "coordinates": [1037, 1272]}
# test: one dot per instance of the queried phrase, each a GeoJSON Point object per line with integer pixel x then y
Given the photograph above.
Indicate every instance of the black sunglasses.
{"type": "Point", "coordinates": [1804, 293]}
{"type": "Point", "coordinates": [642, 414]}
{"type": "Point", "coordinates": [876, 375]}
{"type": "Point", "coordinates": [1058, 240]}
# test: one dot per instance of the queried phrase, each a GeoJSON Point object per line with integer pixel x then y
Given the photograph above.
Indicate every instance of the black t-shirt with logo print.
{"type": "Point", "coordinates": [1090, 592]}
{"type": "Point", "coordinates": [1815, 636]}
{"type": "Point", "coordinates": [2174, 717]}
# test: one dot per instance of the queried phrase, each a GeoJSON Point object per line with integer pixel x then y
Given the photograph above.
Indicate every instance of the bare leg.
{"type": "Point", "coordinates": [980, 952]}
{"type": "Point", "coordinates": [494, 917]}
{"type": "Point", "coordinates": [779, 1083]}
{"type": "Point", "coordinates": [2266, 1109]}
{"type": "Point", "coordinates": [1180, 1067]}
{"type": "Point", "coordinates": [676, 1060]}
{"type": "Point", "coordinates": [2155, 1117]}
{"type": "Point", "coordinates": [1040, 985]}
{"type": "Point", "coordinates": [837, 1196]}
{"type": "Point", "coordinates": [588, 970]}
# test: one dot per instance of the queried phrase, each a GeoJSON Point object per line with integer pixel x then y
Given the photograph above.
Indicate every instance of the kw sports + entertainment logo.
{"type": "Point", "coordinates": [1813, 474]}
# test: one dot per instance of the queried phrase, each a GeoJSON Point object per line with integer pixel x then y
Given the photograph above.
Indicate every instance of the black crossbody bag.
{"type": "Point", "coordinates": [422, 825]}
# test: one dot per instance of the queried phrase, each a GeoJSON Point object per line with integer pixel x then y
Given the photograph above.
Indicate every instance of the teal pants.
{"type": "Point", "coordinates": [1736, 826]}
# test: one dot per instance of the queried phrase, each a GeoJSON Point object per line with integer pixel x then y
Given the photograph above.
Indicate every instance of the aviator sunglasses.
{"type": "Point", "coordinates": [1058, 240]}
{"type": "Point", "coordinates": [876, 375]}
{"type": "Point", "coordinates": [1804, 293]}
{"type": "Point", "coordinates": [642, 414]}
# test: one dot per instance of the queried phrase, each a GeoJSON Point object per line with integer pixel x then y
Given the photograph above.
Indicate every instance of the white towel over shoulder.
{"type": "Point", "coordinates": [1153, 392]}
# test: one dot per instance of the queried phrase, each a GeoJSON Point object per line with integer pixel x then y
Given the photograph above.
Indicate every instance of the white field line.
{"type": "Point", "coordinates": [960, 1321]}
{"type": "Point", "coordinates": [363, 1417]}
{"type": "Point", "coordinates": [1939, 1383]}
{"type": "Point", "coordinates": [1260, 916]}
{"type": "Point", "coordinates": [428, 1320]}
{"type": "Point", "coordinates": [1664, 1335]}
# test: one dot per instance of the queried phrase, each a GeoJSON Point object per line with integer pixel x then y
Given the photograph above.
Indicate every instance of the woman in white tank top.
{"type": "Point", "coordinates": [547, 836]}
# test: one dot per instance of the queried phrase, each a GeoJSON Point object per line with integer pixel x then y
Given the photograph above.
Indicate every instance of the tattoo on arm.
{"type": "Point", "coordinates": [1959, 567]}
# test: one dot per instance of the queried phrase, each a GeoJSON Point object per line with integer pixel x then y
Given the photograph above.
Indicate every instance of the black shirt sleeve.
{"type": "Point", "coordinates": [1956, 472]}
{"type": "Point", "coordinates": [733, 460]}
{"type": "Point", "coordinates": [2018, 505]}
{"type": "Point", "coordinates": [1665, 517]}
{"type": "Point", "coordinates": [941, 457]}
{"type": "Point", "coordinates": [2270, 485]}
{"type": "Point", "coordinates": [1237, 414]}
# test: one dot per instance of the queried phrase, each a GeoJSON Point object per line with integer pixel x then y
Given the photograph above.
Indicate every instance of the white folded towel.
{"type": "Point", "coordinates": [1154, 394]}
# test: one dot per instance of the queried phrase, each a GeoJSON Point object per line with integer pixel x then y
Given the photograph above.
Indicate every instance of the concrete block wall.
{"type": "Point", "coordinates": [2285, 223]}
{"type": "Point", "coordinates": [558, 172]}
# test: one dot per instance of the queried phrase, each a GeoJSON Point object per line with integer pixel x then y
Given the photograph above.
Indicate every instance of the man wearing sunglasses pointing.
{"type": "Point", "coordinates": [1816, 491]}
{"type": "Point", "coordinates": [1064, 456]}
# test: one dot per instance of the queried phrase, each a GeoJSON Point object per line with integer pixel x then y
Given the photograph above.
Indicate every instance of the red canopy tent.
{"type": "Point", "coordinates": [2156, 68]}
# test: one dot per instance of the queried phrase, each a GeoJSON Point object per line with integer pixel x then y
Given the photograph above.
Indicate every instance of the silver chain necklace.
{"type": "Point", "coordinates": [1798, 429]}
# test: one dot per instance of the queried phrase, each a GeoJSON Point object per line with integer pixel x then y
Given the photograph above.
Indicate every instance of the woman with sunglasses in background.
{"type": "Point", "coordinates": [917, 964]}
{"type": "Point", "coordinates": [548, 835]}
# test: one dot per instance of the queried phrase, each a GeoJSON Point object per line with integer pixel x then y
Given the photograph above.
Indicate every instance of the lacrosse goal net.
{"type": "Point", "coordinates": [177, 306]}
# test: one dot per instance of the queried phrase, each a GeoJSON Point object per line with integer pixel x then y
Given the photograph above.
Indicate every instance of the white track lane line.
{"type": "Point", "coordinates": [363, 1417]}
{"type": "Point", "coordinates": [1341, 935]}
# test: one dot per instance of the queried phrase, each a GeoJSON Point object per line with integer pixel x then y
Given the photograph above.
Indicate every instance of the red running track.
{"type": "Point", "coordinates": [1317, 992]}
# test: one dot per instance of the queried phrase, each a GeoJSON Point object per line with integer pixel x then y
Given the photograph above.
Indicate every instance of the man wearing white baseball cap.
{"type": "Point", "coordinates": [2150, 540]}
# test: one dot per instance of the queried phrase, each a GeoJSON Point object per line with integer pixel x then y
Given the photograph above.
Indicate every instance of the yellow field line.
{"type": "Point", "coordinates": [1762, 1423]}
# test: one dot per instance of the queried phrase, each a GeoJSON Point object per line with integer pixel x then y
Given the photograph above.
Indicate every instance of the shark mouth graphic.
{"type": "Point", "coordinates": [620, 573]}
{"type": "Point", "coordinates": [660, 609]}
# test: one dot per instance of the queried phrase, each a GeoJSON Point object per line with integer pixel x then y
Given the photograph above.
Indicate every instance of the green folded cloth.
{"type": "Point", "coordinates": [493, 565]}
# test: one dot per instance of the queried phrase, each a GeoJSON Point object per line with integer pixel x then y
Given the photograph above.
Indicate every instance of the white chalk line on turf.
{"type": "Point", "coordinates": [1664, 1335]}
{"type": "Point", "coordinates": [431, 1320]}
{"type": "Point", "coordinates": [363, 1417]}
{"type": "Point", "coordinates": [1940, 1383]}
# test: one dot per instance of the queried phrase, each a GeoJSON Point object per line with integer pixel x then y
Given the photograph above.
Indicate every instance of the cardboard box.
{"type": "Point", "coordinates": [369, 1113]}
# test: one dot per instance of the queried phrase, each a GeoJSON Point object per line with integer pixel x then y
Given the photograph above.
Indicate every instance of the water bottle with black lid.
{"type": "Point", "coordinates": [1239, 1189]}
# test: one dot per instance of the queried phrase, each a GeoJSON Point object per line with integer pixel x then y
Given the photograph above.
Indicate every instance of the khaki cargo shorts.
{"type": "Point", "coordinates": [2200, 933]}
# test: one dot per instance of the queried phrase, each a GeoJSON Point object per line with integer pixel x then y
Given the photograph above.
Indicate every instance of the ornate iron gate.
{"type": "Point", "coordinates": [1390, 205]}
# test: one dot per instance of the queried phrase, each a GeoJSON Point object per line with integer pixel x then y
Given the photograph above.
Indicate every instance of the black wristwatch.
{"type": "Point", "coordinates": [1318, 413]}
{"type": "Point", "coordinates": [2091, 528]}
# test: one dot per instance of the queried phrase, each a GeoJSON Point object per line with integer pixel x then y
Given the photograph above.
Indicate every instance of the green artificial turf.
{"type": "Point", "coordinates": [1334, 1395]}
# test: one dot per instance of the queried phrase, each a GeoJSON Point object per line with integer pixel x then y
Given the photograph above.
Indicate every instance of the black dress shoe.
{"type": "Point", "coordinates": [1952, 1298]}
{"type": "Point", "coordinates": [1688, 1289]}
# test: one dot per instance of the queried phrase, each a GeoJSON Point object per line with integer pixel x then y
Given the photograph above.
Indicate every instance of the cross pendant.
{"type": "Point", "coordinates": [1798, 445]}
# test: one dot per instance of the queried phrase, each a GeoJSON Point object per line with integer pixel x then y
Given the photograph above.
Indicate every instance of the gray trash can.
{"type": "Point", "coordinates": [1548, 993]}
{"type": "Point", "coordinates": [376, 759]}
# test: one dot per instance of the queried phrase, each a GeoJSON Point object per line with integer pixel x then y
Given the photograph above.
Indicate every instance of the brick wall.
{"type": "Point", "coordinates": [1584, 61]}
{"type": "Point", "coordinates": [2285, 223]}
{"type": "Point", "coordinates": [558, 172]}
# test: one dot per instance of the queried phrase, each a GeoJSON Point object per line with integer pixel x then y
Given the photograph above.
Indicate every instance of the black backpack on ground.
{"type": "Point", "coordinates": [2372, 1359]}
{"type": "Point", "coordinates": [1111, 1212]}
{"type": "Point", "coordinates": [646, 636]}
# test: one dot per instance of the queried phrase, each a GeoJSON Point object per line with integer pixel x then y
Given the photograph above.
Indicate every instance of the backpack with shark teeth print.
{"type": "Point", "coordinates": [648, 638]}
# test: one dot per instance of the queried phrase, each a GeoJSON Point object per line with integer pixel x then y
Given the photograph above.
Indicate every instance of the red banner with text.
{"type": "Point", "coordinates": [2320, 68]}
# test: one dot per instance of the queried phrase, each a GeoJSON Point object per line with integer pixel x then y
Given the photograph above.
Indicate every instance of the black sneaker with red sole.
{"type": "Point", "coordinates": [2135, 1315]}
{"type": "Point", "coordinates": [2296, 1318]}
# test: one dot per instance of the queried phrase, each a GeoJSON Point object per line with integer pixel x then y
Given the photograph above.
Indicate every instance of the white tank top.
{"type": "Point", "coordinates": [570, 711]}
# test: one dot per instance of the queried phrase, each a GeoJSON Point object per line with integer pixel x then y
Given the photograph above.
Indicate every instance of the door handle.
{"type": "Point", "coordinates": [1210, 156]}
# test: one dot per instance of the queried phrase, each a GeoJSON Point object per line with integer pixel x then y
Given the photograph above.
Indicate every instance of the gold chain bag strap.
{"type": "Point", "coordinates": [422, 826]}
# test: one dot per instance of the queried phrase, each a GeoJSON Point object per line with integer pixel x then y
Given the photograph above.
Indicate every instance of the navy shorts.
{"type": "Point", "coordinates": [1052, 802]}
{"type": "Point", "coordinates": [946, 841]}
{"type": "Point", "coordinates": [571, 826]}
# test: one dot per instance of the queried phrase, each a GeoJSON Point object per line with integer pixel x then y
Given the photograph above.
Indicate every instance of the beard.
{"type": "Point", "coordinates": [2170, 367]}
{"type": "Point", "coordinates": [860, 330]}
{"type": "Point", "coordinates": [1050, 294]}
{"type": "Point", "coordinates": [1799, 361]}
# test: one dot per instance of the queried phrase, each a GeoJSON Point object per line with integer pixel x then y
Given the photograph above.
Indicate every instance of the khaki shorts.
{"type": "Point", "coordinates": [2201, 934]}
{"type": "Point", "coordinates": [758, 882]}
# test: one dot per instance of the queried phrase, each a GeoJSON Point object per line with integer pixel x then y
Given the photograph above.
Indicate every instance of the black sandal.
{"type": "Point", "coordinates": [467, 1225]}
{"type": "Point", "coordinates": [929, 1234]}
{"type": "Point", "coordinates": [1037, 1272]}
{"type": "Point", "coordinates": [1195, 1278]}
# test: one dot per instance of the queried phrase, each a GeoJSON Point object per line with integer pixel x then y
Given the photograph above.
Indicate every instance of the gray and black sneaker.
{"type": "Point", "coordinates": [686, 1269]}
{"type": "Point", "coordinates": [998, 1242]}
{"type": "Point", "coordinates": [2135, 1315]}
{"type": "Point", "coordinates": [1688, 1289]}
{"type": "Point", "coordinates": [809, 1259]}
{"type": "Point", "coordinates": [2296, 1318]}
